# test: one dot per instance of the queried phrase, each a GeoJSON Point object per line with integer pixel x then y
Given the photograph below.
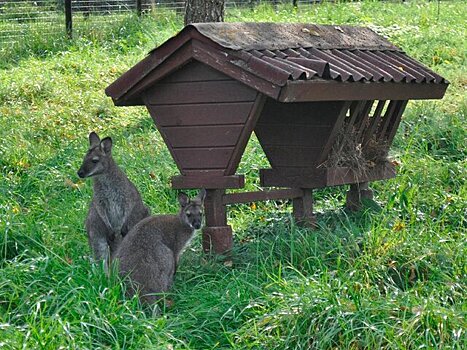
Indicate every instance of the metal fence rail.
{"type": "Point", "coordinates": [44, 18]}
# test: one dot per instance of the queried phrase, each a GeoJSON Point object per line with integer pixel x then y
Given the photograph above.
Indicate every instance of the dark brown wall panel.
{"type": "Point", "coordinates": [199, 92]}
{"type": "Point", "coordinates": [203, 158]}
{"type": "Point", "coordinates": [311, 113]}
{"type": "Point", "coordinates": [203, 136]}
{"type": "Point", "coordinates": [294, 134]}
{"type": "Point", "coordinates": [205, 173]}
{"type": "Point", "coordinates": [195, 71]}
{"type": "Point", "coordinates": [289, 156]}
{"type": "Point", "coordinates": [202, 114]}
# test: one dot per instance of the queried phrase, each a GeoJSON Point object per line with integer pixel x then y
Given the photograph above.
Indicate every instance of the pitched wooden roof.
{"type": "Point", "coordinates": [289, 62]}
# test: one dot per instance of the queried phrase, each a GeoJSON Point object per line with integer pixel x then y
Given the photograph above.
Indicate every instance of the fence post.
{"type": "Point", "coordinates": [68, 19]}
{"type": "Point", "coordinates": [139, 7]}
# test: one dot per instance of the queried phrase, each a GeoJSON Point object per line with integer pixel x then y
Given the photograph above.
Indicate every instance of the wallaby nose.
{"type": "Point", "coordinates": [81, 173]}
{"type": "Point", "coordinates": [197, 225]}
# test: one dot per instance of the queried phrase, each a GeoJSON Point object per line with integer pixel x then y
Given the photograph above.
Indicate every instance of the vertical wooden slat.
{"type": "Point", "coordinates": [396, 120]}
{"type": "Point", "coordinates": [337, 126]}
{"type": "Point", "coordinates": [375, 120]}
{"type": "Point", "coordinates": [387, 119]}
{"type": "Point", "coordinates": [255, 112]}
{"type": "Point", "coordinates": [363, 121]}
{"type": "Point", "coordinates": [355, 110]}
{"type": "Point", "coordinates": [68, 19]}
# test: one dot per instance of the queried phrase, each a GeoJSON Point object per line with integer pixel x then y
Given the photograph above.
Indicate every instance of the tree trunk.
{"type": "Point", "coordinates": [200, 11]}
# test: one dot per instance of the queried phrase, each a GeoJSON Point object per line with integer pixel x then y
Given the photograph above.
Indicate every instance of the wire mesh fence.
{"type": "Point", "coordinates": [17, 18]}
{"type": "Point", "coordinates": [20, 19]}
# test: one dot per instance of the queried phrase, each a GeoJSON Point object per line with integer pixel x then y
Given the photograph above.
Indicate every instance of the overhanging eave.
{"type": "Point", "coordinates": [323, 90]}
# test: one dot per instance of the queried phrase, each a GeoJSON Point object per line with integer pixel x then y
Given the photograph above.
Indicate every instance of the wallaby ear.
{"type": "Point", "coordinates": [94, 139]}
{"type": "Point", "coordinates": [106, 145]}
{"type": "Point", "coordinates": [183, 199]}
{"type": "Point", "coordinates": [200, 197]}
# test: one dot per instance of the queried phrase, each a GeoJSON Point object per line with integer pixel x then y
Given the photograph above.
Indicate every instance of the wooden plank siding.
{"type": "Point", "coordinates": [195, 71]}
{"type": "Point", "coordinates": [294, 134]}
{"type": "Point", "coordinates": [203, 158]}
{"type": "Point", "coordinates": [233, 113]}
{"type": "Point", "coordinates": [290, 135]}
{"type": "Point", "coordinates": [203, 135]}
{"type": "Point", "coordinates": [199, 92]}
{"type": "Point", "coordinates": [203, 117]}
{"type": "Point", "coordinates": [323, 177]}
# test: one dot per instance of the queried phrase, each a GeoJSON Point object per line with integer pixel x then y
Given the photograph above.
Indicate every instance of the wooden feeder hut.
{"type": "Point", "coordinates": [324, 101]}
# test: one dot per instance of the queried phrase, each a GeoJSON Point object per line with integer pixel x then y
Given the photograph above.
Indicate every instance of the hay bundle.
{"type": "Point", "coordinates": [348, 151]}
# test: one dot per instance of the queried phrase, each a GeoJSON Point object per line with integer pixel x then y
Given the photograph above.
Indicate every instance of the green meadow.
{"type": "Point", "coordinates": [392, 276]}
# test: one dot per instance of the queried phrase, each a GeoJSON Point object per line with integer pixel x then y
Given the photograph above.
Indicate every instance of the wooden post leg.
{"type": "Point", "coordinates": [355, 195]}
{"type": "Point", "coordinates": [303, 209]}
{"type": "Point", "coordinates": [217, 235]}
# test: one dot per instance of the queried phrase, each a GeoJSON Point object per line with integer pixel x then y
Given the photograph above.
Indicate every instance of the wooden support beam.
{"type": "Point", "coordinates": [218, 240]}
{"type": "Point", "coordinates": [211, 182]}
{"type": "Point", "coordinates": [247, 197]}
{"type": "Point", "coordinates": [303, 209]}
{"type": "Point", "coordinates": [322, 177]}
{"type": "Point", "coordinates": [139, 7]}
{"type": "Point", "coordinates": [355, 195]}
{"type": "Point", "coordinates": [217, 235]}
{"type": "Point", "coordinates": [68, 19]}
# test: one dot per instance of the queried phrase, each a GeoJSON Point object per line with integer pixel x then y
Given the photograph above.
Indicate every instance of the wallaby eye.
{"type": "Point", "coordinates": [95, 160]}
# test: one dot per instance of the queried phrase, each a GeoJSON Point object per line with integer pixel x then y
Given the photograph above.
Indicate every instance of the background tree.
{"type": "Point", "coordinates": [197, 11]}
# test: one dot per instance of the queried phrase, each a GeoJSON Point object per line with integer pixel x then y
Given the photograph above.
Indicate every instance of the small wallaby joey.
{"type": "Point", "coordinates": [116, 204]}
{"type": "Point", "coordinates": [149, 254]}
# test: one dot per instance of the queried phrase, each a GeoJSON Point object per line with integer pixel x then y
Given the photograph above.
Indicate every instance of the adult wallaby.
{"type": "Point", "coordinates": [116, 205]}
{"type": "Point", "coordinates": [150, 252]}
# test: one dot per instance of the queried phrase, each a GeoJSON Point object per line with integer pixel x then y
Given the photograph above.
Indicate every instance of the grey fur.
{"type": "Point", "coordinates": [116, 205]}
{"type": "Point", "coordinates": [149, 254]}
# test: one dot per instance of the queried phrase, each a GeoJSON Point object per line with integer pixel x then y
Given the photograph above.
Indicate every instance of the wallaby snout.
{"type": "Point", "coordinates": [81, 173]}
{"type": "Point", "coordinates": [197, 225]}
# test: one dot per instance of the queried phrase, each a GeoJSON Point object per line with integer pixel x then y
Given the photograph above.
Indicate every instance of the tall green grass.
{"type": "Point", "coordinates": [392, 276]}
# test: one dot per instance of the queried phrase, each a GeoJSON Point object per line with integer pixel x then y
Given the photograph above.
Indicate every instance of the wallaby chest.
{"type": "Point", "coordinates": [112, 203]}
